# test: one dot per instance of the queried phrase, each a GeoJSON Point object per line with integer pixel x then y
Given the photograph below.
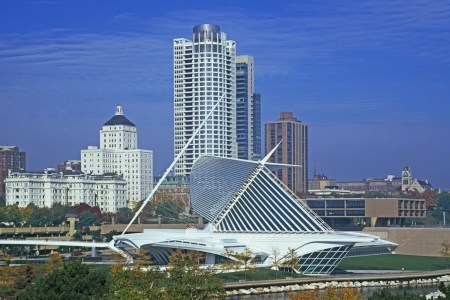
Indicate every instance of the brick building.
{"type": "Point", "coordinates": [11, 159]}
{"type": "Point", "coordinates": [293, 150]}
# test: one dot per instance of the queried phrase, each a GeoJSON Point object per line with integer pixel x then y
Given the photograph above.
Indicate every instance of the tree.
{"type": "Point", "coordinates": [55, 262]}
{"type": "Point", "coordinates": [246, 258]}
{"type": "Point", "coordinates": [291, 260]}
{"type": "Point", "coordinates": [119, 262]}
{"type": "Point", "coordinates": [24, 278]}
{"type": "Point", "coordinates": [445, 251]}
{"type": "Point", "coordinates": [230, 262]}
{"type": "Point", "coordinates": [375, 195]}
{"type": "Point", "coordinates": [331, 293]}
{"type": "Point", "coordinates": [187, 280]}
{"type": "Point", "coordinates": [74, 281]}
{"type": "Point", "coordinates": [305, 295]}
{"type": "Point", "coordinates": [8, 276]}
{"type": "Point", "coordinates": [53, 216]}
{"type": "Point", "coordinates": [38, 216]}
{"type": "Point", "coordinates": [385, 294]}
{"type": "Point", "coordinates": [137, 284]}
{"type": "Point", "coordinates": [276, 260]}
{"type": "Point", "coordinates": [444, 290]}
{"type": "Point", "coordinates": [88, 218]}
{"type": "Point", "coordinates": [109, 236]}
{"type": "Point", "coordinates": [430, 197]}
{"type": "Point", "coordinates": [58, 213]}
{"type": "Point", "coordinates": [96, 236]}
{"type": "Point", "coordinates": [77, 236]}
{"type": "Point", "coordinates": [443, 200]}
{"type": "Point", "coordinates": [142, 259]}
{"type": "Point", "coordinates": [123, 215]}
{"type": "Point", "coordinates": [28, 211]}
{"type": "Point", "coordinates": [12, 214]}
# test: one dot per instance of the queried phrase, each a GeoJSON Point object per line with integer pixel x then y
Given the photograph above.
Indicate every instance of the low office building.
{"type": "Point", "coordinates": [44, 189]}
{"type": "Point", "coordinates": [373, 211]}
{"type": "Point", "coordinates": [390, 184]}
{"type": "Point", "coordinates": [320, 182]}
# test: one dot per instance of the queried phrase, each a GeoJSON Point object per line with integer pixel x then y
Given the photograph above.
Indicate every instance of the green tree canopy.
{"type": "Point", "coordinates": [11, 214]}
{"type": "Point", "coordinates": [137, 284]}
{"type": "Point", "coordinates": [74, 281]}
{"type": "Point", "coordinates": [187, 280]}
{"type": "Point", "coordinates": [123, 215]}
{"type": "Point", "coordinates": [87, 218]}
{"type": "Point", "coordinates": [443, 200]}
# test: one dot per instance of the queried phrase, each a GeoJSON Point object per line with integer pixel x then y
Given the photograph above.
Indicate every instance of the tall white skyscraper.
{"type": "Point", "coordinates": [118, 154]}
{"type": "Point", "coordinates": [204, 71]}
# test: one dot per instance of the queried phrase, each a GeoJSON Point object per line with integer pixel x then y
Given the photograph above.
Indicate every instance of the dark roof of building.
{"type": "Point", "coordinates": [72, 172]}
{"type": "Point", "coordinates": [82, 207]}
{"type": "Point", "coordinates": [424, 183]}
{"type": "Point", "coordinates": [119, 120]}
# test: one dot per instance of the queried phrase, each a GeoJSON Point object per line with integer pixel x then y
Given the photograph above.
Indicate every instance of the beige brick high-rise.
{"type": "Point", "coordinates": [293, 150]}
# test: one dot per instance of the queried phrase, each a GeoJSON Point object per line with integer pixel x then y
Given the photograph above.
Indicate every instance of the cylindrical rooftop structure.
{"type": "Point", "coordinates": [206, 32]}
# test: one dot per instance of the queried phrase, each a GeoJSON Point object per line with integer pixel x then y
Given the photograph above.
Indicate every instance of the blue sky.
{"type": "Point", "coordinates": [370, 78]}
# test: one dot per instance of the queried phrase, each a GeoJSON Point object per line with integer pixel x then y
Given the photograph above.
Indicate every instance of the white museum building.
{"type": "Point", "coordinates": [246, 206]}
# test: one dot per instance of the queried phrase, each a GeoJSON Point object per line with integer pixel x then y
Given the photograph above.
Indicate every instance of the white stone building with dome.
{"type": "Point", "coordinates": [118, 153]}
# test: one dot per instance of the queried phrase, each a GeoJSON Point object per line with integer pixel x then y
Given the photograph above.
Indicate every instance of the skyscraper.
{"type": "Point", "coordinates": [244, 106]}
{"type": "Point", "coordinates": [119, 154]}
{"type": "Point", "coordinates": [204, 71]}
{"type": "Point", "coordinates": [11, 159]}
{"type": "Point", "coordinates": [293, 150]}
{"type": "Point", "coordinates": [248, 110]}
{"type": "Point", "coordinates": [256, 127]}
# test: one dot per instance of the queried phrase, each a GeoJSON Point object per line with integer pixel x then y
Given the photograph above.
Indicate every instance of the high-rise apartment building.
{"type": "Point", "coordinates": [11, 160]}
{"type": "Point", "coordinates": [204, 71]}
{"type": "Point", "coordinates": [244, 105]}
{"type": "Point", "coordinates": [248, 110]}
{"type": "Point", "coordinates": [256, 116]}
{"type": "Point", "coordinates": [118, 154]}
{"type": "Point", "coordinates": [293, 150]}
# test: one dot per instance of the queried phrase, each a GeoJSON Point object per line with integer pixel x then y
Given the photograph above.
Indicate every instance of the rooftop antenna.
{"type": "Point", "coordinates": [171, 166]}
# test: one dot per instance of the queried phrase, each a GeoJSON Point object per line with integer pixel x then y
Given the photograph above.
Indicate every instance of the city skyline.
{"type": "Point", "coordinates": [370, 79]}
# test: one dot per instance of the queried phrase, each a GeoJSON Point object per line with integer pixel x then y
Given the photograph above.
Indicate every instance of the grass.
{"type": "Point", "coordinates": [376, 262]}
{"type": "Point", "coordinates": [393, 262]}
